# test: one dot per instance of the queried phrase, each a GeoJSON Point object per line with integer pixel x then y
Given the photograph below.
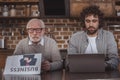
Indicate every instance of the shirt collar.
{"type": "Point", "coordinates": [41, 42]}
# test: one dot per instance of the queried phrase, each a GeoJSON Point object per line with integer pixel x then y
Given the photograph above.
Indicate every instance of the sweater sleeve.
{"type": "Point", "coordinates": [56, 61]}
{"type": "Point", "coordinates": [56, 58]}
{"type": "Point", "coordinates": [72, 46]}
{"type": "Point", "coordinates": [112, 51]}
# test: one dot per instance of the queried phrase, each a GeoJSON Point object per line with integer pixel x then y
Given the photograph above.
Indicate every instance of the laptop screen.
{"type": "Point", "coordinates": [86, 62]}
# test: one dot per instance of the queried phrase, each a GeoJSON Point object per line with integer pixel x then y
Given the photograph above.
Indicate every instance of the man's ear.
{"type": "Point", "coordinates": [44, 30]}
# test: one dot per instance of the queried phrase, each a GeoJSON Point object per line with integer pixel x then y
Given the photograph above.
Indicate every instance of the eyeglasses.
{"type": "Point", "coordinates": [38, 30]}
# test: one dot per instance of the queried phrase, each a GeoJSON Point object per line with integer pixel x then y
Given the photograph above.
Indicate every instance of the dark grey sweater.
{"type": "Point", "coordinates": [49, 51]}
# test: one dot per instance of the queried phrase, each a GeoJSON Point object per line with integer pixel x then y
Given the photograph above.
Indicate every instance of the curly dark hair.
{"type": "Point", "coordinates": [92, 10]}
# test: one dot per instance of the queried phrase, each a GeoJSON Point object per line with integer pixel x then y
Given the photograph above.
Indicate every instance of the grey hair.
{"type": "Point", "coordinates": [38, 20]}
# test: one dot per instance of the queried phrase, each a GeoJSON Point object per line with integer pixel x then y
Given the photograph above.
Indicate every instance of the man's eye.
{"type": "Point", "coordinates": [94, 21]}
{"type": "Point", "coordinates": [87, 21]}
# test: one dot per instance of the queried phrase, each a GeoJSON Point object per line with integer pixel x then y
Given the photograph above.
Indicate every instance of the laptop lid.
{"type": "Point", "coordinates": [23, 64]}
{"type": "Point", "coordinates": [86, 62]}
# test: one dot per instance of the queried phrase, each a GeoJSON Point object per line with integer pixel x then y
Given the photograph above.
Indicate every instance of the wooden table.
{"type": "Point", "coordinates": [3, 55]}
{"type": "Point", "coordinates": [106, 75]}
{"type": "Point", "coordinates": [65, 75]}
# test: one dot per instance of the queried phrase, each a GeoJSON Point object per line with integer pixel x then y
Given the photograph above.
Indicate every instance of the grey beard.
{"type": "Point", "coordinates": [33, 40]}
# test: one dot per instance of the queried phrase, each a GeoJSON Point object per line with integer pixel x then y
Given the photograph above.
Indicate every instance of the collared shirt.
{"type": "Point", "coordinates": [40, 42]}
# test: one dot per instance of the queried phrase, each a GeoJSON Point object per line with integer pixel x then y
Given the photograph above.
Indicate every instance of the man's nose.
{"type": "Point", "coordinates": [91, 23]}
{"type": "Point", "coordinates": [34, 32]}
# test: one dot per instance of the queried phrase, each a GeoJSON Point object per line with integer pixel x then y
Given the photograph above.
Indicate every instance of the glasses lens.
{"type": "Point", "coordinates": [35, 29]}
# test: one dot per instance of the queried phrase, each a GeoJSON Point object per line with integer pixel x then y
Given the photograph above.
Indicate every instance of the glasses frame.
{"type": "Point", "coordinates": [31, 30]}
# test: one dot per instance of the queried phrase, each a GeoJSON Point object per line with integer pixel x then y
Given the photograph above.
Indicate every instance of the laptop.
{"type": "Point", "coordinates": [23, 64]}
{"type": "Point", "coordinates": [22, 77]}
{"type": "Point", "coordinates": [86, 62]}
